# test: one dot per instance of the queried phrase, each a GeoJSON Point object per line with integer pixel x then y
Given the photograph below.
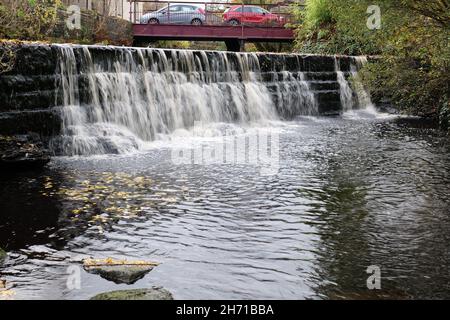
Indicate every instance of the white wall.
{"type": "Point", "coordinates": [117, 8]}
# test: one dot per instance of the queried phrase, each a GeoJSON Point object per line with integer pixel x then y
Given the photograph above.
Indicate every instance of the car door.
{"type": "Point", "coordinates": [235, 13]}
{"type": "Point", "coordinates": [175, 14]}
{"type": "Point", "coordinates": [258, 15]}
{"type": "Point", "coordinates": [247, 15]}
{"type": "Point", "coordinates": [187, 14]}
{"type": "Point", "coordinates": [162, 15]}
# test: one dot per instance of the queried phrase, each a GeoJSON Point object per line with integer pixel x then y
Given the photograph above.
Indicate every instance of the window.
{"type": "Point", "coordinates": [188, 8]}
{"type": "Point", "coordinates": [175, 8]}
{"type": "Point", "coordinates": [163, 10]}
{"type": "Point", "coordinates": [246, 9]}
{"type": "Point", "coordinates": [257, 10]}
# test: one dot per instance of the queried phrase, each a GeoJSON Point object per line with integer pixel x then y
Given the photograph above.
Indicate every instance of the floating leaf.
{"type": "Point", "coordinates": [115, 262]}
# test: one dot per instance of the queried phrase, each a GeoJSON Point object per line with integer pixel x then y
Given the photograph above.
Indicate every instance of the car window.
{"type": "Point", "coordinates": [248, 9]}
{"type": "Point", "coordinates": [238, 9]}
{"type": "Point", "coordinates": [175, 8]}
{"type": "Point", "coordinates": [162, 9]}
{"type": "Point", "coordinates": [188, 8]}
{"type": "Point", "coordinates": [257, 10]}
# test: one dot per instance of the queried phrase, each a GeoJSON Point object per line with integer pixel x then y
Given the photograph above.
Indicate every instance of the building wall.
{"type": "Point", "coordinates": [117, 8]}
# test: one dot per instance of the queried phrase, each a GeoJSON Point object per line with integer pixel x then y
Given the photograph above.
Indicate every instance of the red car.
{"type": "Point", "coordinates": [250, 15]}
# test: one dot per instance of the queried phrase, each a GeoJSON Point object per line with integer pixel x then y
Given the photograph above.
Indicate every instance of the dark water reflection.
{"type": "Point", "coordinates": [350, 193]}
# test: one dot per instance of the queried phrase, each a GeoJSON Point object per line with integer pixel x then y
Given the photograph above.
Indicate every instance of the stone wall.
{"type": "Point", "coordinates": [30, 95]}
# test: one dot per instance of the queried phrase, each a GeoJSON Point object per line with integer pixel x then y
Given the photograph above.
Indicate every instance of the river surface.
{"type": "Point", "coordinates": [349, 192]}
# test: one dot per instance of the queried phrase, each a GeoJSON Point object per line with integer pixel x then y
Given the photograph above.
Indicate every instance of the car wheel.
{"type": "Point", "coordinates": [196, 22]}
{"type": "Point", "coordinates": [233, 22]}
{"type": "Point", "coordinates": [153, 21]}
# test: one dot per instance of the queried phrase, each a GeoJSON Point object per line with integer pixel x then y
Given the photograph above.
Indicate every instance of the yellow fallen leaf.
{"type": "Point", "coordinates": [114, 262]}
{"type": "Point", "coordinates": [6, 294]}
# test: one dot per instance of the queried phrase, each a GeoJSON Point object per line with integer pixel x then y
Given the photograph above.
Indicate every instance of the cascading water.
{"type": "Point", "coordinates": [362, 96]}
{"type": "Point", "coordinates": [114, 100]}
{"type": "Point", "coordinates": [352, 96]}
{"type": "Point", "coordinates": [138, 95]}
{"type": "Point", "coordinates": [346, 92]}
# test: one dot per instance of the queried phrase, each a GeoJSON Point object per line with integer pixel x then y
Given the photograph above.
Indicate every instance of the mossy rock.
{"type": "Point", "coordinates": [3, 256]}
{"type": "Point", "coordinates": [154, 293]}
{"type": "Point", "coordinates": [119, 271]}
{"type": "Point", "coordinates": [120, 274]}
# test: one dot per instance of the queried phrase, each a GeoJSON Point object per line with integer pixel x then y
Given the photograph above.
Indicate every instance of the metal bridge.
{"type": "Point", "coordinates": [233, 23]}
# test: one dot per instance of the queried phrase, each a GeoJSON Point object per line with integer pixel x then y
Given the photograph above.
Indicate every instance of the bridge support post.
{"type": "Point", "coordinates": [235, 45]}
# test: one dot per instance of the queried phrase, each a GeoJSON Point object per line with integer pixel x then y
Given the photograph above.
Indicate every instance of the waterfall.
{"type": "Point", "coordinates": [354, 95]}
{"type": "Point", "coordinates": [116, 104]}
{"type": "Point", "coordinates": [362, 96]}
{"type": "Point", "coordinates": [346, 92]}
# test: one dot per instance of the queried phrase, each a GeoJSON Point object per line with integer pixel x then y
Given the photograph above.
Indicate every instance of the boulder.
{"type": "Point", "coordinates": [153, 293]}
{"type": "Point", "coordinates": [22, 152]}
{"type": "Point", "coordinates": [119, 271]}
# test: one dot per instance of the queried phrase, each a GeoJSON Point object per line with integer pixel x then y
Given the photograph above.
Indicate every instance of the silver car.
{"type": "Point", "coordinates": [176, 14]}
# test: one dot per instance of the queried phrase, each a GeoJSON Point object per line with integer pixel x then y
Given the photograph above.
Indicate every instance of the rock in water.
{"type": "Point", "coordinates": [22, 152]}
{"type": "Point", "coordinates": [120, 274]}
{"type": "Point", "coordinates": [3, 256]}
{"type": "Point", "coordinates": [154, 293]}
{"type": "Point", "coordinates": [119, 271]}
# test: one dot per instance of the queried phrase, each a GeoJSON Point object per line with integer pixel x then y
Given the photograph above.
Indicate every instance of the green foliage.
{"type": "Point", "coordinates": [335, 26]}
{"type": "Point", "coordinates": [317, 13]}
{"type": "Point", "coordinates": [7, 57]}
{"type": "Point", "coordinates": [171, 44]}
{"type": "Point", "coordinates": [45, 20]}
{"type": "Point", "coordinates": [28, 20]}
{"type": "Point", "coordinates": [413, 70]}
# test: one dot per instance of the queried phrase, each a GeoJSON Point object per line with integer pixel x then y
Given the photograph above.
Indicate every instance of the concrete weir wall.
{"type": "Point", "coordinates": [31, 93]}
{"type": "Point", "coordinates": [28, 92]}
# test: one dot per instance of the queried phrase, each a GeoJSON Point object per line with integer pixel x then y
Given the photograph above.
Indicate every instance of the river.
{"type": "Point", "coordinates": [222, 168]}
{"type": "Point", "coordinates": [352, 191]}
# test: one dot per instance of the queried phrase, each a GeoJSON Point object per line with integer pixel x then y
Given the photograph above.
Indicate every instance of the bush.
{"type": "Point", "coordinates": [29, 19]}
{"type": "Point", "coordinates": [414, 69]}
{"type": "Point", "coordinates": [317, 13]}
{"type": "Point", "coordinates": [7, 57]}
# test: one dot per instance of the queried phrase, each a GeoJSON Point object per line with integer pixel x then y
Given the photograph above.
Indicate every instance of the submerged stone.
{"type": "Point", "coordinates": [119, 271]}
{"type": "Point", "coordinates": [22, 152]}
{"type": "Point", "coordinates": [153, 293]}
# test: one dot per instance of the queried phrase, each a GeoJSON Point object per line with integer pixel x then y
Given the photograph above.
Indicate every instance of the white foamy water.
{"type": "Point", "coordinates": [117, 101]}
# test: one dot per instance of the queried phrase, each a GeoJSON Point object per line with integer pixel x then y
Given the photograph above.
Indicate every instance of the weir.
{"type": "Point", "coordinates": [95, 100]}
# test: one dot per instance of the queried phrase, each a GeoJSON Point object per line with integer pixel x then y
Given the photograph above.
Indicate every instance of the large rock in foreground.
{"type": "Point", "coordinates": [153, 293]}
{"type": "Point", "coordinates": [22, 152]}
{"type": "Point", "coordinates": [119, 271]}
